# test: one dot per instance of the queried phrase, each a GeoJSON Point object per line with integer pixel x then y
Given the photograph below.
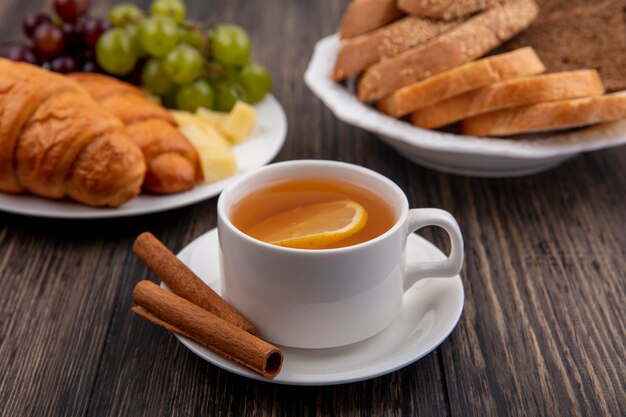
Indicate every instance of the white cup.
{"type": "Point", "coordinates": [331, 297]}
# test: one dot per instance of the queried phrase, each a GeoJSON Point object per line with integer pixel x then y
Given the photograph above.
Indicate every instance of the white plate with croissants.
{"type": "Point", "coordinates": [420, 75]}
{"type": "Point", "coordinates": [89, 146]}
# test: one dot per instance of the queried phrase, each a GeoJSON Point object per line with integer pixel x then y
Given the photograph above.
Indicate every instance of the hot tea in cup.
{"type": "Point", "coordinates": [312, 252]}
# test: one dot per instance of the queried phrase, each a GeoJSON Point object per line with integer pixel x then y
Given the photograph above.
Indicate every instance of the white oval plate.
{"type": "Point", "coordinates": [429, 313]}
{"type": "Point", "coordinates": [459, 154]}
{"type": "Point", "coordinates": [266, 141]}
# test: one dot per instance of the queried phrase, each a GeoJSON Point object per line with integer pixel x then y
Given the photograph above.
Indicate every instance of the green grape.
{"type": "Point", "coordinates": [158, 35]}
{"type": "Point", "coordinates": [191, 37]}
{"type": "Point", "coordinates": [124, 13]}
{"type": "Point", "coordinates": [133, 33]}
{"type": "Point", "coordinates": [172, 8]}
{"type": "Point", "coordinates": [256, 82]}
{"type": "Point", "coordinates": [230, 45]}
{"type": "Point", "coordinates": [197, 94]}
{"type": "Point", "coordinates": [114, 52]}
{"type": "Point", "coordinates": [226, 95]}
{"type": "Point", "coordinates": [154, 78]}
{"type": "Point", "coordinates": [183, 64]}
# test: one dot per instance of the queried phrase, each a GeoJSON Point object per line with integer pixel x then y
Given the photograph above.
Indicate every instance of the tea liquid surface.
{"type": "Point", "coordinates": [274, 198]}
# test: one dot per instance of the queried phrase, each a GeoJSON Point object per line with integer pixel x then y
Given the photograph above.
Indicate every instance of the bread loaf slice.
{"type": "Point", "coordinates": [363, 16]}
{"type": "Point", "coordinates": [467, 77]}
{"type": "Point", "coordinates": [360, 52]}
{"type": "Point", "coordinates": [444, 9]}
{"type": "Point", "coordinates": [547, 116]}
{"type": "Point", "coordinates": [460, 45]}
{"type": "Point", "coordinates": [575, 34]}
{"type": "Point", "coordinates": [510, 93]}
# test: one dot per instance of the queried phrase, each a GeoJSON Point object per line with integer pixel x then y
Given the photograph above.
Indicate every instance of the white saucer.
{"type": "Point", "coordinates": [429, 313]}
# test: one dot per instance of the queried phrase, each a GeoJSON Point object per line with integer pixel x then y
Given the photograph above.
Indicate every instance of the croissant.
{"type": "Point", "coordinates": [171, 159]}
{"type": "Point", "coordinates": [57, 142]}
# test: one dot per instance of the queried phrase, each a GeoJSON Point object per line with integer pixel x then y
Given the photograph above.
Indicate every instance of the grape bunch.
{"type": "Point", "coordinates": [186, 66]}
{"type": "Point", "coordinates": [64, 42]}
{"type": "Point", "coordinates": [181, 62]}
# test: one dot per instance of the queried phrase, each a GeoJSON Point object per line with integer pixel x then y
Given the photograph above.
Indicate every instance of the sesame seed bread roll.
{"type": "Point", "coordinates": [363, 16]}
{"type": "Point", "coordinates": [459, 80]}
{"type": "Point", "coordinates": [360, 52]}
{"type": "Point", "coordinates": [466, 42]}
{"type": "Point", "coordinates": [510, 93]}
{"type": "Point", "coordinates": [547, 116]}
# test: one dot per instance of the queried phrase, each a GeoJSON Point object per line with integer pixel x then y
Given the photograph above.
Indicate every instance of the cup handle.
{"type": "Point", "coordinates": [449, 268]}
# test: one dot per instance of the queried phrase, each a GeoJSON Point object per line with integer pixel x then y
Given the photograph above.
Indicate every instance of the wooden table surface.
{"type": "Point", "coordinates": [542, 332]}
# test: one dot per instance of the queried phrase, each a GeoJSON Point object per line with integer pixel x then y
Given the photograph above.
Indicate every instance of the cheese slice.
{"type": "Point", "coordinates": [211, 117]}
{"type": "Point", "coordinates": [216, 159]}
{"type": "Point", "coordinates": [183, 118]}
{"type": "Point", "coordinates": [239, 123]}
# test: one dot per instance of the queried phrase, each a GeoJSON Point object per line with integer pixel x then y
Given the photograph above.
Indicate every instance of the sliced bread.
{"type": "Point", "coordinates": [466, 42]}
{"type": "Point", "coordinates": [467, 77]}
{"type": "Point", "coordinates": [363, 16]}
{"type": "Point", "coordinates": [547, 116]}
{"type": "Point", "coordinates": [575, 34]}
{"type": "Point", "coordinates": [444, 9]}
{"type": "Point", "coordinates": [360, 52]}
{"type": "Point", "coordinates": [510, 93]}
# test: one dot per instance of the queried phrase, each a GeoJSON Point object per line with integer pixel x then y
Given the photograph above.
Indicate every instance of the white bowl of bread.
{"type": "Point", "coordinates": [406, 69]}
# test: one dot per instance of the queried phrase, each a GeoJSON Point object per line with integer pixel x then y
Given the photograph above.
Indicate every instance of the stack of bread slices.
{"type": "Point", "coordinates": [425, 59]}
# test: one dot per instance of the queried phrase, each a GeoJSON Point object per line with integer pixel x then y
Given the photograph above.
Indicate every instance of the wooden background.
{"type": "Point", "coordinates": [542, 333]}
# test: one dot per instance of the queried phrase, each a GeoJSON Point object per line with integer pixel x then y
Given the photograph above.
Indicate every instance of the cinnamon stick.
{"type": "Point", "coordinates": [183, 281]}
{"type": "Point", "coordinates": [189, 320]}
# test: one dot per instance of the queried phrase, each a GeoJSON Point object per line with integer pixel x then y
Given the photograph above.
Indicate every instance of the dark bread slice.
{"type": "Point", "coordinates": [576, 34]}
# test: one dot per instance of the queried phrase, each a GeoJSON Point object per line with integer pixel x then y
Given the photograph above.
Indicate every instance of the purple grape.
{"type": "Point", "coordinates": [90, 66]}
{"type": "Point", "coordinates": [88, 55]}
{"type": "Point", "coordinates": [71, 10]}
{"type": "Point", "coordinates": [63, 64]}
{"type": "Point", "coordinates": [72, 34]}
{"type": "Point", "coordinates": [92, 29]}
{"type": "Point", "coordinates": [32, 21]}
{"type": "Point", "coordinates": [49, 41]}
{"type": "Point", "coordinates": [21, 54]}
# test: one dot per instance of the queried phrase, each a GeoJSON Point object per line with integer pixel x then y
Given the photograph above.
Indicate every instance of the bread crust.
{"type": "Point", "coordinates": [467, 77]}
{"type": "Point", "coordinates": [363, 16]}
{"type": "Point", "coordinates": [464, 43]}
{"type": "Point", "coordinates": [547, 116]}
{"type": "Point", "coordinates": [510, 93]}
{"type": "Point", "coordinates": [444, 9]}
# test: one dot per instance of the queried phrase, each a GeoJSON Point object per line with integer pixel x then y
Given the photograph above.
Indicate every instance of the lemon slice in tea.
{"type": "Point", "coordinates": [315, 226]}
